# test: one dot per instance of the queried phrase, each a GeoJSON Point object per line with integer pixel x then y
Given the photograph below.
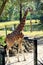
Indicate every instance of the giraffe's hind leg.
{"type": "Point", "coordinates": [20, 48]}
{"type": "Point", "coordinates": [18, 54]}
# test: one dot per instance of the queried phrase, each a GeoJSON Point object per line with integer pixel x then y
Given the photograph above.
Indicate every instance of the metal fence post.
{"type": "Point", "coordinates": [2, 56]}
{"type": "Point", "coordinates": [35, 51]}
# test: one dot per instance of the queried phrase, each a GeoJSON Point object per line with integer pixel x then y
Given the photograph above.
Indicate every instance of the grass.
{"type": "Point", "coordinates": [2, 40]}
{"type": "Point", "coordinates": [27, 33]}
{"type": "Point", "coordinates": [34, 33]}
{"type": "Point", "coordinates": [2, 25]}
{"type": "Point", "coordinates": [26, 28]}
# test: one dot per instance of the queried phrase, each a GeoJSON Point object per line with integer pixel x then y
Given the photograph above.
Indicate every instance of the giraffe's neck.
{"type": "Point", "coordinates": [22, 23]}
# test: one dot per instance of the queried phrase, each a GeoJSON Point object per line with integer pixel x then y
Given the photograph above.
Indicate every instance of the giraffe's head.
{"type": "Point", "coordinates": [30, 9]}
{"type": "Point", "coordinates": [26, 11]}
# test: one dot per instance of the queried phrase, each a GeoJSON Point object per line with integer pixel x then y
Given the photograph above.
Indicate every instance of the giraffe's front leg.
{"type": "Point", "coordinates": [24, 56]}
{"type": "Point", "coordinates": [7, 52]}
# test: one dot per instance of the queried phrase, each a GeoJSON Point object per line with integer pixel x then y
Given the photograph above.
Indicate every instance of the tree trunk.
{"type": "Point", "coordinates": [2, 7]}
{"type": "Point", "coordinates": [20, 12]}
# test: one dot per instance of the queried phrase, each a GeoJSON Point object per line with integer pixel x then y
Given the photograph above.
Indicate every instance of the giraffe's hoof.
{"type": "Point", "coordinates": [24, 59]}
{"type": "Point", "coordinates": [18, 60]}
{"type": "Point", "coordinates": [8, 61]}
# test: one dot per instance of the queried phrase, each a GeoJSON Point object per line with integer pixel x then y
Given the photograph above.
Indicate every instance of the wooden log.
{"type": "Point", "coordinates": [6, 30]}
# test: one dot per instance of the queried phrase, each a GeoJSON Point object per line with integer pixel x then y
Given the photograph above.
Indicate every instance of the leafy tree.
{"type": "Point", "coordinates": [14, 9]}
{"type": "Point", "coordinates": [41, 10]}
{"type": "Point", "coordinates": [11, 7]}
{"type": "Point", "coordinates": [2, 6]}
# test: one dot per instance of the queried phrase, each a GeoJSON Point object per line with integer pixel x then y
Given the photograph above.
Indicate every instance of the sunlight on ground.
{"type": "Point", "coordinates": [16, 22]}
{"type": "Point", "coordinates": [34, 33]}
{"type": "Point", "coordinates": [31, 34]}
{"type": "Point", "coordinates": [10, 23]}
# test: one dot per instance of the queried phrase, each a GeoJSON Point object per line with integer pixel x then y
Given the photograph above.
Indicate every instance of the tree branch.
{"type": "Point", "coordinates": [2, 7]}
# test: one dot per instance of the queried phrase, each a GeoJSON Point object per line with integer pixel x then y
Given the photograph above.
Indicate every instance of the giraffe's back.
{"type": "Point", "coordinates": [12, 38]}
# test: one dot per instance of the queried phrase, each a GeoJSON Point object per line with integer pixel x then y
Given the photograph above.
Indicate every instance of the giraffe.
{"type": "Point", "coordinates": [16, 36]}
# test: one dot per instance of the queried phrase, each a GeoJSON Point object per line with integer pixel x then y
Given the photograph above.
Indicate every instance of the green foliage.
{"type": "Point", "coordinates": [2, 40]}
{"type": "Point", "coordinates": [12, 9]}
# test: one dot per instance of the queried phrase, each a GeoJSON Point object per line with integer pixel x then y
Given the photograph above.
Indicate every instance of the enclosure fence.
{"type": "Point", "coordinates": [2, 55]}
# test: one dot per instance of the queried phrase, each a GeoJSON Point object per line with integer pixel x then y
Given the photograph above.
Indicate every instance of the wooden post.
{"type": "Point", "coordinates": [14, 26]}
{"type": "Point", "coordinates": [31, 25]}
{"type": "Point", "coordinates": [35, 52]}
{"type": "Point", "coordinates": [6, 30]}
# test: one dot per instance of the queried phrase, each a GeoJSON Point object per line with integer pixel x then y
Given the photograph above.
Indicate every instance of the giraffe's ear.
{"type": "Point", "coordinates": [28, 7]}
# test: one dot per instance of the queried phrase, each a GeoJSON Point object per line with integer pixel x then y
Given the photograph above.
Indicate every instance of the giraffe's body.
{"type": "Point", "coordinates": [13, 38]}
{"type": "Point", "coordinates": [16, 36]}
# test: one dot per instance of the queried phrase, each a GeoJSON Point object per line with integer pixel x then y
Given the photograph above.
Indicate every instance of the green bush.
{"type": "Point", "coordinates": [2, 40]}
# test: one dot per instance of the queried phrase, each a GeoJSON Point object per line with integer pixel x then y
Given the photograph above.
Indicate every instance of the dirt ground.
{"type": "Point", "coordinates": [29, 56]}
